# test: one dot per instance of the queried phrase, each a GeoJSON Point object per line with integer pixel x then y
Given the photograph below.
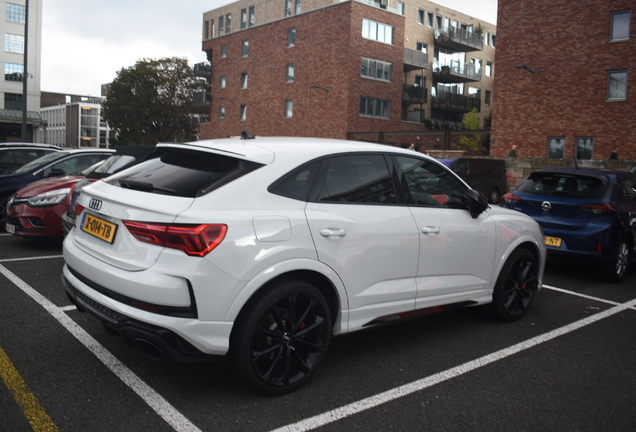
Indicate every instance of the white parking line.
{"type": "Point", "coordinates": [30, 258]}
{"type": "Point", "coordinates": [415, 386]}
{"type": "Point", "coordinates": [161, 406]}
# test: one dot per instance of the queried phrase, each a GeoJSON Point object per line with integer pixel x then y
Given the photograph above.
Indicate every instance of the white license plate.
{"type": "Point", "coordinates": [10, 228]}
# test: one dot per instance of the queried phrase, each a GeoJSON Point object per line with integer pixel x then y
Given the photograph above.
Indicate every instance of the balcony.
{"type": "Point", "coordinates": [456, 72]}
{"type": "Point", "coordinates": [412, 94]}
{"type": "Point", "coordinates": [416, 116]}
{"type": "Point", "coordinates": [414, 59]}
{"type": "Point", "coordinates": [455, 102]}
{"type": "Point", "coordinates": [457, 39]}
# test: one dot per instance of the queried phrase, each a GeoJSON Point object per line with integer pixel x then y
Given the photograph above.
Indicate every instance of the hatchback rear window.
{"type": "Point", "coordinates": [183, 173]}
{"type": "Point", "coordinates": [555, 184]}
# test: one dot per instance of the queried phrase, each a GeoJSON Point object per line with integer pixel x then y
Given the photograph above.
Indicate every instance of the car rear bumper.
{"type": "Point", "coordinates": [154, 334]}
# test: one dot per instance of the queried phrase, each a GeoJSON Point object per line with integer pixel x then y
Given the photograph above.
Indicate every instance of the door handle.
{"type": "Point", "coordinates": [333, 232]}
{"type": "Point", "coordinates": [430, 230]}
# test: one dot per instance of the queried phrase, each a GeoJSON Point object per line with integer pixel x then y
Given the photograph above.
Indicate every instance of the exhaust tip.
{"type": "Point", "coordinates": [148, 349]}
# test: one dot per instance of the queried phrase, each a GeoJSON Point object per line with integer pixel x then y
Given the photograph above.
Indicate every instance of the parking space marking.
{"type": "Point", "coordinates": [597, 299]}
{"type": "Point", "coordinates": [415, 386]}
{"type": "Point", "coordinates": [26, 400]}
{"type": "Point", "coordinates": [161, 406]}
{"type": "Point", "coordinates": [30, 258]}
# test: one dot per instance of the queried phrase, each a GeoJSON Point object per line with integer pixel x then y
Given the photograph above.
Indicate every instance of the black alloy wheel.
{"type": "Point", "coordinates": [516, 286]}
{"type": "Point", "coordinates": [617, 266]}
{"type": "Point", "coordinates": [281, 337]}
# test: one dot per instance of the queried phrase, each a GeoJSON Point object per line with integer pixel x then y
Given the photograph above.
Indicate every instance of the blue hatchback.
{"type": "Point", "coordinates": [584, 212]}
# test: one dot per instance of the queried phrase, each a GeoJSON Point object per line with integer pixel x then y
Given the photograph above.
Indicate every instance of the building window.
{"type": "Point", "coordinates": [620, 25]}
{"type": "Point", "coordinates": [16, 13]}
{"type": "Point", "coordinates": [289, 108]}
{"type": "Point", "coordinates": [228, 23]}
{"type": "Point", "coordinates": [493, 39]}
{"type": "Point", "coordinates": [14, 43]}
{"type": "Point", "coordinates": [13, 72]}
{"type": "Point", "coordinates": [299, 6]}
{"type": "Point", "coordinates": [488, 69]}
{"type": "Point", "coordinates": [221, 25]}
{"type": "Point", "coordinates": [438, 21]}
{"type": "Point", "coordinates": [288, 8]}
{"type": "Point", "coordinates": [401, 8]}
{"type": "Point", "coordinates": [12, 101]}
{"type": "Point", "coordinates": [291, 37]}
{"type": "Point", "coordinates": [243, 18]}
{"type": "Point", "coordinates": [377, 31]}
{"type": "Point", "coordinates": [243, 113]}
{"type": "Point", "coordinates": [252, 17]}
{"type": "Point", "coordinates": [246, 48]}
{"type": "Point", "coordinates": [290, 73]}
{"type": "Point", "coordinates": [420, 46]}
{"type": "Point", "coordinates": [372, 107]}
{"type": "Point", "coordinates": [487, 100]}
{"type": "Point", "coordinates": [206, 31]}
{"type": "Point", "coordinates": [487, 39]}
{"type": "Point", "coordinates": [584, 147]}
{"type": "Point", "coordinates": [617, 85]}
{"type": "Point", "coordinates": [243, 80]}
{"type": "Point", "coordinates": [556, 147]}
{"type": "Point", "coordinates": [420, 81]}
{"type": "Point", "coordinates": [224, 51]}
{"type": "Point", "coordinates": [429, 19]}
{"type": "Point", "coordinates": [223, 82]}
{"type": "Point", "coordinates": [375, 69]}
{"type": "Point", "coordinates": [221, 113]}
{"type": "Point", "coordinates": [420, 16]}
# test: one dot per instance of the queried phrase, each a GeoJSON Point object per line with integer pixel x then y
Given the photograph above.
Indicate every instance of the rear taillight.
{"type": "Point", "coordinates": [67, 201]}
{"type": "Point", "coordinates": [599, 208]}
{"type": "Point", "coordinates": [194, 240]}
{"type": "Point", "coordinates": [510, 198]}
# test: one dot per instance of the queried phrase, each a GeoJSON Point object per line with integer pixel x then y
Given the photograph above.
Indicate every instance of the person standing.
{"type": "Point", "coordinates": [512, 153]}
{"type": "Point", "coordinates": [412, 147]}
{"type": "Point", "coordinates": [614, 154]}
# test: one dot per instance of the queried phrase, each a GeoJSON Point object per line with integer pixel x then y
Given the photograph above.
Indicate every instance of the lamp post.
{"type": "Point", "coordinates": [25, 74]}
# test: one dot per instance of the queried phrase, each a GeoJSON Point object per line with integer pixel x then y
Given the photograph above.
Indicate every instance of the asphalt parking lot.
{"type": "Point", "coordinates": [568, 365]}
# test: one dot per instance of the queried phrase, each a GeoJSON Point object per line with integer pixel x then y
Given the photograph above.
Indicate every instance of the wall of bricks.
{"type": "Point", "coordinates": [327, 54]}
{"type": "Point", "coordinates": [568, 44]}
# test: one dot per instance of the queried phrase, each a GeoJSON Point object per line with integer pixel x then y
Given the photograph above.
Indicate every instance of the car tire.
{"type": "Point", "coordinates": [516, 285]}
{"type": "Point", "coordinates": [617, 266]}
{"type": "Point", "coordinates": [494, 196]}
{"type": "Point", "coordinates": [275, 354]}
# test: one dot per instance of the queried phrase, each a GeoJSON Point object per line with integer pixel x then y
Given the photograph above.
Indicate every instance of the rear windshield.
{"type": "Point", "coordinates": [555, 184]}
{"type": "Point", "coordinates": [182, 173]}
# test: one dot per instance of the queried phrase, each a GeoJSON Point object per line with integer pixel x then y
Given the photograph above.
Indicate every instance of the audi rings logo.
{"type": "Point", "coordinates": [546, 206]}
{"type": "Point", "coordinates": [95, 204]}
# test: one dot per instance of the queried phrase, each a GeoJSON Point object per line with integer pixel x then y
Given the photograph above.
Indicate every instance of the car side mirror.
{"type": "Point", "coordinates": [475, 201]}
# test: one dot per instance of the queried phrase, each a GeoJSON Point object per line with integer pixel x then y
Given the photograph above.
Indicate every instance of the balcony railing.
{"type": "Point", "coordinates": [416, 116]}
{"type": "Point", "coordinates": [456, 72]}
{"type": "Point", "coordinates": [412, 94]}
{"type": "Point", "coordinates": [458, 40]}
{"type": "Point", "coordinates": [455, 102]}
{"type": "Point", "coordinates": [414, 59]}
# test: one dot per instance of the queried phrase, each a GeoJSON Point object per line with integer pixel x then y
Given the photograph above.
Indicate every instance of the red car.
{"type": "Point", "coordinates": [37, 209]}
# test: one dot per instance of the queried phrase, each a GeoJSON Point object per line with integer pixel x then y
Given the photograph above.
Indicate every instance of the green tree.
{"type": "Point", "coordinates": [470, 142]}
{"type": "Point", "coordinates": [152, 102]}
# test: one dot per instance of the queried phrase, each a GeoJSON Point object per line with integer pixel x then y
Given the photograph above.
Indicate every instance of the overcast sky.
{"type": "Point", "coordinates": [86, 42]}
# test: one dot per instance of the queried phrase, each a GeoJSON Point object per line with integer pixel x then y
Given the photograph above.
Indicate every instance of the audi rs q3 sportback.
{"type": "Point", "coordinates": [262, 249]}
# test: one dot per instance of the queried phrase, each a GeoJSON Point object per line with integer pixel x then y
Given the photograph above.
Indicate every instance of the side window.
{"type": "Point", "coordinates": [360, 178]}
{"type": "Point", "coordinates": [298, 183]}
{"type": "Point", "coordinates": [76, 164]}
{"type": "Point", "coordinates": [428, 184]}
{"type": "Point", "coordinates": [7, 156]}
{"type": "Point", "coordinates": [629, 189]}
{"type": "Point", "coordinates": [24, 156]}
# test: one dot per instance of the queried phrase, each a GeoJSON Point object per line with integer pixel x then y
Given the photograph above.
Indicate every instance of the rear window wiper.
{"type": "Point", "coordinates": [144, 186]}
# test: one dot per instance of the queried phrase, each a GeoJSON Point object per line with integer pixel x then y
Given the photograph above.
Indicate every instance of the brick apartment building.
{"type": "Point", "coordinates": [336, 69]}
{"type": "Point", "coordinates": [566, 79]}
